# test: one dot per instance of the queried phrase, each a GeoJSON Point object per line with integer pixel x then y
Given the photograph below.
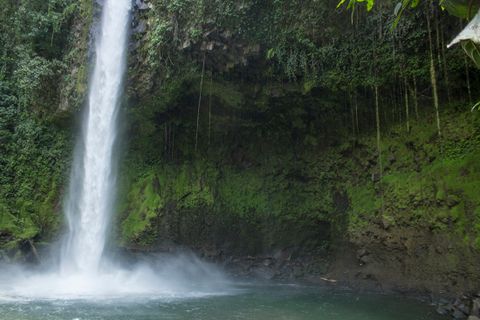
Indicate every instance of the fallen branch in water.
{"type": "Point", "coordinates": [329, 280]}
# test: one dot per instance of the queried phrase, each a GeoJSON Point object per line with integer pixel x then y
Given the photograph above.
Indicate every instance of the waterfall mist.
{"type": "Point", "coordinates": [165, 277]}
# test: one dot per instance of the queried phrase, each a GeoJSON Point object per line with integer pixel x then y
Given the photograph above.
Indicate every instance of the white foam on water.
{"type": "Point", "coordinates": [178, 277]}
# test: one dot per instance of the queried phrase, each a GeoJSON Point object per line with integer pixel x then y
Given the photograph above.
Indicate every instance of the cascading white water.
{"type": "Point", "coordinates": [92, 186]}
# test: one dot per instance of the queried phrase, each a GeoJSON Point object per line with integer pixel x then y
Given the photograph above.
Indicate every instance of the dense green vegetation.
{"type": "Point", "coordinates": [251, 126]}
{"type": "Point", "coordinates": [39, 80]}
{"type": "Point", "coordinates": [464, 9]}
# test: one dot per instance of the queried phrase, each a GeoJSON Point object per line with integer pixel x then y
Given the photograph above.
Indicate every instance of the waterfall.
{"type": "Point", "coordinates": [89, 204]}
{"type": "Point", "coordinates": [92, 183]}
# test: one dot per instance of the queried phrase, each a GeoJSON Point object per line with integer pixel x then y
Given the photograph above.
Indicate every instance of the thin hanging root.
{"type": "Point", "coordinates": [210, 110]}
{"type": "Point", "coordinates": [407, 107]}
{"type": "Point", "coordinates": [199, 102]}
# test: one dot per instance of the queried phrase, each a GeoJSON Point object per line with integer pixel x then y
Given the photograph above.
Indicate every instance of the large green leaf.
{"type": "Point", "coordinates": [473, 51]}
{"type": "Point", "coordinates": [460, 8]}
{"type": "Point", "coordinates": [351, 3]}
{"type": "Point", "coordinates": [465, 9]}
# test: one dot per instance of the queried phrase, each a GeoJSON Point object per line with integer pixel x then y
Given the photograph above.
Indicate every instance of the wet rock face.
{"type": "Point", "coordinates": [143, 5]}
{"type": "Point", "coordinates": [141, 27]}
{"type": "Point", "coordinates": [165, 37]}
{"type": "Point", "coordinates": [475, 310]}
{"type": "Point", "coordinates": [284, 267]}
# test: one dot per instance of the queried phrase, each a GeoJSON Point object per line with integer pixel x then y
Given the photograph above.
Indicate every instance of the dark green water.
{"type": "Point", "coordinates": [274, 302]}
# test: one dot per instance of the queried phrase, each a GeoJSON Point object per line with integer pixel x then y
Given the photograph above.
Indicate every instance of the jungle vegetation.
{"type": "Point", "coordinates": [270, 97]}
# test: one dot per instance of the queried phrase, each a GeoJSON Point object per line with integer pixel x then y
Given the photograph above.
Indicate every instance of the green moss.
{"type": "Point", "coordinates": [364, 200]}
{"type": "Point", "coordinates": [86, 10]}
{"type": "Point", "coordinates": [365, 204]}
{"type": "Point", "coordinates": [47, 218]}
{"type": "Point", "coordinates": [152, 192]}
{"type": "Point", "coordinates": [243, 192]}
{"type": "Point", "coordinates": [255, 196]}
{"type": "Point", "coordinates": [190, 185]}
{"type": "Point", "coordinates": [427, 183]}
{"type": "Point", "coordinates": [229, 94]}
{"type": "Point", "coordinates": [146, 204]}
{"type": "Point", "coordinates": [81, 83]}
{"type": "Point", "coordinates": [15, 230]}
{"type": "Point", "coordinates": [441, 194]}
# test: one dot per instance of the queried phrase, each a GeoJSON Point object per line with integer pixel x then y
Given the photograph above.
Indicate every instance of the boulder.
{"type": "Point", "coordinates": [475, 311]}
{"type": "Point", "coordinates": [267, 262]}
{"type": "Point", "coordinates": [361, 252]}
{"type": "Point", "coordinates": [443, 310]}
{"type": "Point", "coordinates": [459, 315]}
{"type": "Point", "coordinates": [464, 308]}
{"type": "Point", "coordinates": [141, 5]}
{"type": "Point", "coordinates": [263, 273]}
{"type": "Point", "coordinates": [140, 28]}
{"type": "Point", "coordinates": [385, 223]}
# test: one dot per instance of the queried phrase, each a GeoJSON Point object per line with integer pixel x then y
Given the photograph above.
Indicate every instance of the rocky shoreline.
{"type": "Point", "coordinates": [316, 271]}
{"type": "Point", "coordinates": [465, 307]}
{"type": "Point", "coordinates": [269, 268]}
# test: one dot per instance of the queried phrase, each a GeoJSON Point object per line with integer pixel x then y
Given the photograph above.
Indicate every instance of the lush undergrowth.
{"type": "Point", "coordinates": [33, 165]}
{"type": "Point", "coordinates": [43, 75]}
{"type": "Point", "coordinates": [428, 182]}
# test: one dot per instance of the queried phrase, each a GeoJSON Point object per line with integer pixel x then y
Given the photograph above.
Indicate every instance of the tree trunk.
{"type": "Point", "coordinates": [415, 97]}
{"type": "Point", "coordinates": [394, 109]}
{"type": "Point", "coordinates": [379, 148]}
{"type": "Point", "coordinates": [467, 71]}
{"type": "Point", "coordinates": [352, 113]}
{"type": "Point", "coordinates": [170, 141]}
{"type": "Point", "coordinates": [199, 102]}
{"type": "Point", "coordinates": [165, 147]}
{"type": "Point", "coordinates": [210, 111]}
{"type": "Point", "coordinates": [385, 115]}
{"type": "Point", "coordinates": [172, 151]}
{"type": "Point", "coordinates": [433, 73]}
{"type": "Point", "coordinates": [407, 111]}
{"type": "Point", "coordinates": [437, 36]}
{"type": "Point", "coordinates": [356, 112]}
{"type": "Point", "coordinates": [467, 74]}
{"type": "Point", "coordinates": [377, 120]}
{"type": "Point", "coordinates": [398, 101]}
{"type": "Point", "coordinates": [445, 66]}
